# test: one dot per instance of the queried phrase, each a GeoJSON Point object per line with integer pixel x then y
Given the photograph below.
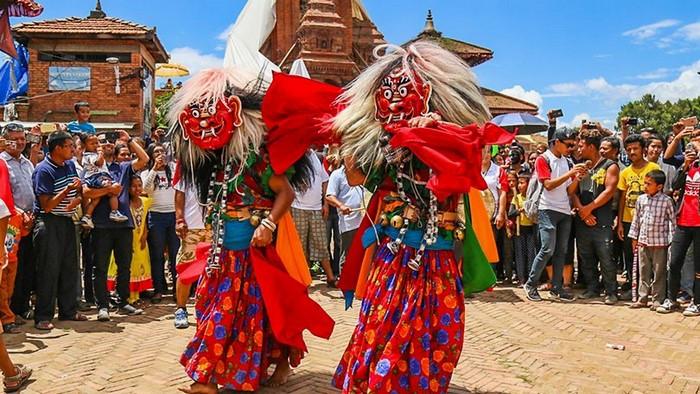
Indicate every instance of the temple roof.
{"type": "Point", "coordinates": [470, 53]}
{"type": "Point", "coordinates": [95, 26]}
{"type": "Point", "coordinates": [500, 103]}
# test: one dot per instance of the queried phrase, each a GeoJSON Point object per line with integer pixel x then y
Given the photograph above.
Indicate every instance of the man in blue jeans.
{"type": "Point", "coordinates": [110, 237]}
{"type": "Point", "coordinates": [555, 172]}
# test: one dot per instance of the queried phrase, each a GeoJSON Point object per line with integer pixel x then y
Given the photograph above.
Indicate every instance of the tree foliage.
{"type": "Point", "coordinates": [659, 115]}
{"type": "Point", "coordinates": [162, 108]}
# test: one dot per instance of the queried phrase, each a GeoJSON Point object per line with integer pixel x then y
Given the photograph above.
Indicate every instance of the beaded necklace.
{"type": "Point", "coordinates": [431, 228]}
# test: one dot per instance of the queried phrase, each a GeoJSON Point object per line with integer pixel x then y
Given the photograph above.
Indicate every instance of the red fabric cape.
{"type": "Point", "coordinates": [5, 188]}
{"type": "Point", "coordinates": [287, 301]}
{"type": "Point", "coordinates": [451, 151]}
{"type": "Point", "coordinates": [295, 110]}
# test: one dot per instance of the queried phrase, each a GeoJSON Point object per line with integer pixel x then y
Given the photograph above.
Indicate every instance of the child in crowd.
{"type": "Point", "coordinates": [97, 176]}
{"type": "Point", "coordinates": [524, 234]}
{"type": "Point", "coordinates": [651, 232]}
{"type": "Point", "coordinates": [140, 280]}
{"type": "Point", "coordinates": [81, 124]}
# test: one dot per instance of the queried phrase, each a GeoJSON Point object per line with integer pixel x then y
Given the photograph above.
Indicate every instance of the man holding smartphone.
{"type": "Point", "coordinates": [111, 237]}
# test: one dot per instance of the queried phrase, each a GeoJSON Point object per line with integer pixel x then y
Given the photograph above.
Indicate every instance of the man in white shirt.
{"type": "Point", "coordinates": [348, 200]}
{"type": "Point", "coordinates": [555, 173]}
{"type": "Point", "coordinates": [309, 218]}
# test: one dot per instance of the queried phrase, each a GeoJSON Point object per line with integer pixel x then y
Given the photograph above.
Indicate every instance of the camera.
{"type": "Point", "coordinates": [110, 136]}
{"type": "Point", "coordinates": [557, 113]}
{"type": "Point", "coordinates": [48, 128]}
{"type": "Point", "coordinates": [590, 126]}
{"type": "Point", "coordinates": [633, 121]}
{"type": "Point", "coordinates": [33, 138]}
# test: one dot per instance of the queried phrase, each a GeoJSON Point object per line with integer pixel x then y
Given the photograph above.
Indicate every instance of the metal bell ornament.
{"type": "Point", "coordinates": [397, 221]}
{"type": "Point", "coordinates": [255, 220]}
{"type": "Point", "coordinates": [384, 220]}
{"type": "Point", "coordinates": [459, 233]}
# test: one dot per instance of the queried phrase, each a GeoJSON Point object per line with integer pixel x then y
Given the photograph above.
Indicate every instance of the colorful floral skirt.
{"type": "Point", "coordinates": [410, 331]}
{"type": "Point", "coordinates": [233, 346]}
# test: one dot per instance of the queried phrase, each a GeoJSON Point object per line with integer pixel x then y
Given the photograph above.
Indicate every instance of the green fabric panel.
{"type": "Point", "coordinates": [477, 274]}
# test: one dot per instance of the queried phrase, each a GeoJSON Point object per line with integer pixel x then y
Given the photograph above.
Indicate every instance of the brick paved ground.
{"type": "Point", "coordinates": [512, 346]}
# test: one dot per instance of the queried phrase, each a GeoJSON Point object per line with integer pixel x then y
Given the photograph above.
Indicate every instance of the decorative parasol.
{"type": "Point", "coordinates": [521, 123]}
{"type": "Point", "coordinates": [8, 8]}
{"type": "Point", "coordinates": [167, 70]}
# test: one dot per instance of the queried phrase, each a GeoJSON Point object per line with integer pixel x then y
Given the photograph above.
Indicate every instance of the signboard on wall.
{"type": "Point", "coordinates": [69, 78]}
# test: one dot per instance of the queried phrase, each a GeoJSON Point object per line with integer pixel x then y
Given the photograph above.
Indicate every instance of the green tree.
{"type": "Point", "coordinates": [659, 115]}
{"type": "Point", "coordinates": [162, 108]}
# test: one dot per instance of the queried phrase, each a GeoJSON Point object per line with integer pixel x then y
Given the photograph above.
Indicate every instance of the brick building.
{"type": "Point", "coordinates": [106, 61]}
{"type": "Point", "coordinates": [335, 39]}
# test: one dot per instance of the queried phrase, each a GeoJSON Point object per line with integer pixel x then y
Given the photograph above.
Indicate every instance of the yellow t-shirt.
{"type": "Point", "coordinates": [519, 202]}
{"type": "Point", "coordinates": [632, 180]}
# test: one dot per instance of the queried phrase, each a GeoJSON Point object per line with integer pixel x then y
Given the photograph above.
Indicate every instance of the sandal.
{"type": "Point", "coordinates": [44, 325]}
{"type": "Point", "coordinates": [14, 383]}
{"type": "Point", "coordinates": [77, 317]}
{"type": "Point", "coordinates": [11, 328]}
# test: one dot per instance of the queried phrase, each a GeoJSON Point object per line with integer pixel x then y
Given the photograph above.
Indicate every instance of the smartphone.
{"type": "Point", "coordinates": [48, 127]}
{"type": "Point", "coordinates": [557, 113]}
{"type": "Point", "coordinates": [633, 121]}
{"type": "Point", "coordinates": [112, 136]}
{"type": "Point", "coordinates": [690, 122]}
{"type": "Point", "coordinates": [33, 138]}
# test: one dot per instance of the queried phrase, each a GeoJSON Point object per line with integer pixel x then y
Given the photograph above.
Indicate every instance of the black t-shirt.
{"type": "Point", "coordinates": [591, 186]}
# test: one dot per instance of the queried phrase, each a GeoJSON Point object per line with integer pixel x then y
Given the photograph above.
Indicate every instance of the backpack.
{"type": "Point", "coordinates": [534, 192]}
{"type": "Point", "coordinates": [532, 197]}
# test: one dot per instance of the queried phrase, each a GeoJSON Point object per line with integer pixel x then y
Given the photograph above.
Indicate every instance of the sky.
{"type": "Point", "coordinates": [587, 57]}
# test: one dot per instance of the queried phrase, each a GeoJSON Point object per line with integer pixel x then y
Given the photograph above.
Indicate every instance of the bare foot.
{"type": "Point", "coordinates": [280, 376]}
{"type": "Point", "coordinates": [199, 388]}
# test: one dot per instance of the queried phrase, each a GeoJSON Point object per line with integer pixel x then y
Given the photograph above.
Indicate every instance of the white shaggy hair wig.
{"type": "Point", "coordinates": [211, 85]}
{"type": "Point", "coordinates": [455, 96]}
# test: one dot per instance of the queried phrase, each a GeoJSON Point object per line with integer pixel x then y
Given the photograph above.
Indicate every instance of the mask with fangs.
{"type": "Point", "coordinates": [401, 97]}
{"type": "Point", "coordinates": [210, 125]}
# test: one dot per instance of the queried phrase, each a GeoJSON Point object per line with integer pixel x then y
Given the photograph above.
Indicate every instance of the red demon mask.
{"type": "Point", "coordinates": [211, 125]}
{"type": "Point", "coordinates": [400, 98]}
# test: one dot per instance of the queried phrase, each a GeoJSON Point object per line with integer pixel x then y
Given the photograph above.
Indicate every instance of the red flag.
{"type": "Point", "coordinates": [7, 43]}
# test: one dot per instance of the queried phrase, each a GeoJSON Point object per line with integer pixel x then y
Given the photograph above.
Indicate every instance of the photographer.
{"type": "Point", "coordinates": [687, 232]}
{"type": "Point", "coordinates": [674, 153]}
{"type": "Point", "coordinates": [111, 237]}
{"type": "Point", "coordinates": [158, 184]}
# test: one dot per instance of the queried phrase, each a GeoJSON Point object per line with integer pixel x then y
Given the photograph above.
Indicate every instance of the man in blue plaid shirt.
{"type": "Point", "coordinates": [651, 232]}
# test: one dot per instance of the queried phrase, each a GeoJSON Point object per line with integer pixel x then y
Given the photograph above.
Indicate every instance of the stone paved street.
{"type": "Point", "coordinates": [512, 346]}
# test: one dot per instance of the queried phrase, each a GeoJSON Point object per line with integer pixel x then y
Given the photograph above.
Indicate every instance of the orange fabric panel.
{"type": "Point", "coordinates": [290, 251]}
{"type": "Point", "coordinates": [482, 226]}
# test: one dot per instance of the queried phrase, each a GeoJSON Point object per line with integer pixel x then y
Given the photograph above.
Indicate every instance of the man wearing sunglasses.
{"type": "Point", "coordinates": [555, 173]}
